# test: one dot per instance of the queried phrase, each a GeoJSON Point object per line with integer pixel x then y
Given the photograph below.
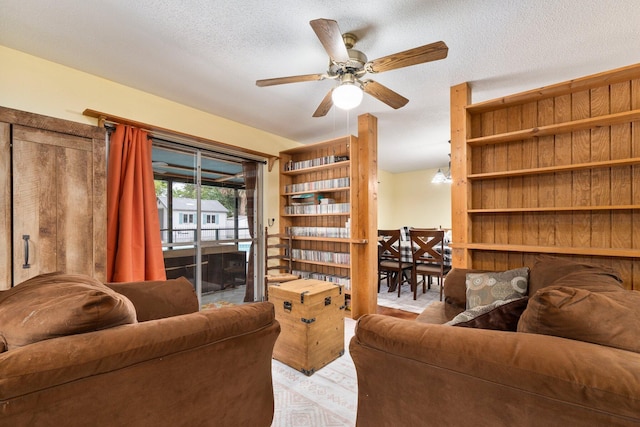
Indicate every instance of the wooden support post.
{"type": "Point", "coordinates": [460, 163]}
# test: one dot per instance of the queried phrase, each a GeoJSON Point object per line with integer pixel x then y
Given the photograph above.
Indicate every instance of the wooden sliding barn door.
{"type": "Point", "coordinates": [52, 203]}
{"type": "Point", "coordinates": [52, 197]}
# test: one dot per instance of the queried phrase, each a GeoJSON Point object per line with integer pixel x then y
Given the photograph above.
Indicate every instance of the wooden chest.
{"type": "Point", "coordinates": [311, 315]}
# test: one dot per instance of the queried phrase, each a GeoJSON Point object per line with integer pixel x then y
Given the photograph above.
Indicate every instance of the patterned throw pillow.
{"type": "Point", "coordinates": [499, 315]}
{"type": "Point", "coordinates": [486, 288]}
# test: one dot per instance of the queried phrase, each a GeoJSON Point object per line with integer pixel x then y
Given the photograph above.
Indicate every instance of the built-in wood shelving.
{"type": "Point", "coordinates": [555, 209]}
{"type": "Point", "coordinates": [567, 250]}
{"type": "Point", "coordinates": [558, 128]}
{"type": "Point", "coordinates": [554, 170]}
{"type": "Point", "coordinates": [320, 168]}
{"type": "Point", "coordinates": [319, 214]}
{"type": "Point", "coordinates": [324, 264]}
{"type": "Point", "coordinates": [327, 190]}
{"type": "Point", "coordinates": [356, 160]}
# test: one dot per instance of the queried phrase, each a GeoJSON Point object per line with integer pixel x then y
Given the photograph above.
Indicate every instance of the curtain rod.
{"type": "Point", "coordinates": [200, 142]}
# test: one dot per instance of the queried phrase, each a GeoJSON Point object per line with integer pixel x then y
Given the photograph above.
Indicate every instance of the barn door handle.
{"type": "Point", "coordinates": [25, 237]}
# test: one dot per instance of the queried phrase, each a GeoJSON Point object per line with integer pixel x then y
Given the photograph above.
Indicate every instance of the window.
{"type": "Point", "coordinates": [209, 219]}
{"type": "Point", "coordinates": [186, 218]}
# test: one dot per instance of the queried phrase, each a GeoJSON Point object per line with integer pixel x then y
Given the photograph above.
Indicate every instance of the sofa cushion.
{"type": "Point", "coordinates": [548, 269]}
{"type": "Point", "coordinates": [55, 304]}
{"type": "Point", "coordinates": [159, 299]}
{"type": "Point", "coordinates": [438, 312]}
{"type": "Point", "coordinates": [485, 288]}
{"type": "Point", "coordinates": [606, 318]}
{"type": "Point", "coordinates": [455, 288]}
{"type": "Point", "coordinates": [500, 315]}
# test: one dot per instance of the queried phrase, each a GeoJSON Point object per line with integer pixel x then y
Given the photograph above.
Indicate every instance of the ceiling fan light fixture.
{"type": "Point", "coordinates": [347, 96]}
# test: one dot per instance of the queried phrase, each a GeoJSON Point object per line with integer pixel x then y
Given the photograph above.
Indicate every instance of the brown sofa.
{"type": "Point", "coordinates": [570, 358]}
{"type": "Point", "coordinates": [94, 362]}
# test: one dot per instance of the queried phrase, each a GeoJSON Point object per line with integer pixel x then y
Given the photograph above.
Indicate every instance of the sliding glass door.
{"type": "Point", "coordinates": [210, 207]}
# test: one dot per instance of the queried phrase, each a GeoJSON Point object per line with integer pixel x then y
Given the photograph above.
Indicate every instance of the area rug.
{"type": "Point", "coordinates": [328, 398]}
{"type": "Point", "coordinates": [394, 312]}
{"type": "Point", "coordinates": [216, 304]}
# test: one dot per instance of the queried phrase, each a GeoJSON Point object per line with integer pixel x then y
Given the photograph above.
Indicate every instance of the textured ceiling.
{"type": "Point", "coordinates": [208, 54]}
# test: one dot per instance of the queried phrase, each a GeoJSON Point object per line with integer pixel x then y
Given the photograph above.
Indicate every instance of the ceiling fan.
{"type": "Point", "coordinates": [348, 66]}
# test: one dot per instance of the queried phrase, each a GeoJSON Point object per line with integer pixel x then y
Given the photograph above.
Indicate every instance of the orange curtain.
{"type": "Point", "coordinates": [134, 247]}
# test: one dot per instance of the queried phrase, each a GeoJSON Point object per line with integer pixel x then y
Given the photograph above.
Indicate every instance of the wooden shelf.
{"type": "Point", "coordinates": [554, 169]}
{"type": "Point", "coordinates": [319, 168]}
{"type": "Point", "coordinates": [319, 146]}
{"type": "Point", "coordinates": [571, 126]}
{"type": "Point", "coordinates": [331, 239]}
{"type": "Point", "coordinates": [567, 250]}
{"type": "Point", "coordinates": [352, 178]}
{"type": "Point", "coordinates": [320, 263]}
{"type": "Point", "coordinates": [319, 214]}
{"type": "Point", "coordinates": [558, 89]}
{"type": "Point", "coordinates": [328, 190]}
{"type": "Point", "coordinates": [555, 209]}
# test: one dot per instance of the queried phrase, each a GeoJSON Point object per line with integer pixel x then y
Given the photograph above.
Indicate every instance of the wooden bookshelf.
{"type": "Point", "coordinates": [553, 170]}
{"type": "Point", "coordinates": [343, 170]}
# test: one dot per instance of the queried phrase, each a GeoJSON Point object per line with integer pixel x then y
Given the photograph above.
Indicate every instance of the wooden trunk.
{"type": "Point", "coordinates": [311, 315]}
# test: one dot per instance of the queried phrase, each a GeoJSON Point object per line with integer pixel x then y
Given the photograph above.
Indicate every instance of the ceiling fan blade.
{"type": "Point", "coordinates": [330, 36]}
{"type": "Point", "coordinates": [290, 79]}
{"type": "Point", "coordinates": [384, 94]}
{"type": "Point", "coordinates": [418, 55]}
{"type": "Point", "coordinates": [324, 106]}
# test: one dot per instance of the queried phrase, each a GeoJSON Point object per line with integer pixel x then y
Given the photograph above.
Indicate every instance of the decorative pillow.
{"type": "Point", "coordinates": [485, 288]}
{"type": "Point", "coordinates": [499, 315]}
{"type": "Point", "coordinates": [56, 304]}
{"type": "Point", "coordinates": [455, 290]}
{"type": "Point", "coordinates": [609, 319]}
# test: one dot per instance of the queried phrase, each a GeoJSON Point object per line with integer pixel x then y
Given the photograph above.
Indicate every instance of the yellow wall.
{"type": "Point", "coordinates": [32, 84]}
{"type": "Point", "coordinates": [410, 199]}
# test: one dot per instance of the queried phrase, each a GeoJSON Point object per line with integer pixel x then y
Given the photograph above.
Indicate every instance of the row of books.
{"type": "Point", "coordinates": [326, 184]}
{"type": "Point", "coordinates": [321, 256]}
{"type": "Point", "coordinates": [303, 164]}
{"type": "Point", "coordinates": [298, 209]}
{"type": "Point", "coordinates": [340, 280]}
{"type": "Point", "coordinates": [342, 232]}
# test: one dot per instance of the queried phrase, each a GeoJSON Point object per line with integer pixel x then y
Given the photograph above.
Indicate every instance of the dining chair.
{"type": "Point", "coordinates": [390, 260]}
{"type": "Point", "coordinates": [428, 258]}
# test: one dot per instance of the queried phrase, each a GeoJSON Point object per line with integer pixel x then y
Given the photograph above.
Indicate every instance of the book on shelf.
{"type": "Point", "coordinates": [304, 164]}
{"type": "Point", "coordinates": [321, 256]}
{"type": "Point", "coordinates": [332, 232]}
{"type": "Point", "coordinates": [311, 209]}
{"type": "Point", "coordinates": [326, 184]}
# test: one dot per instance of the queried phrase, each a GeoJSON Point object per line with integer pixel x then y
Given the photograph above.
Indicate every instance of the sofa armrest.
{"type": "Point", "coordinates": [164, 372]}
{"type": "Point", "coordinates": [159, 299]}
{"type": "Point", "coordinates": [411, 373]}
